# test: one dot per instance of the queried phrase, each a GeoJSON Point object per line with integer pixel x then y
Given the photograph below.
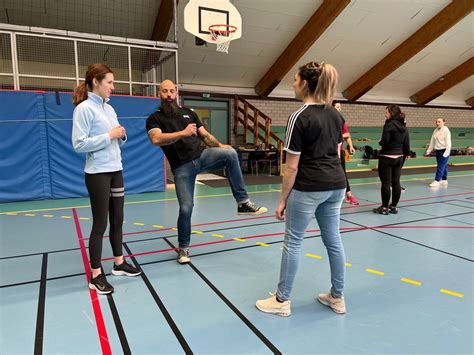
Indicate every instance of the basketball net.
{"type": "Point", "coordinates": [222, 35]}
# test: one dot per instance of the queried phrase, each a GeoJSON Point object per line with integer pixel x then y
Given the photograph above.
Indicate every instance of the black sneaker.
{"type": "Point", "coordinates": [250, 208]}
{"type": "Point", "coordinates": [381, 210]}
{"type": "Point", "coordinates": [101, 285]}
{"type": "Point", "coordinates": [183, 256]}
{"type": "Point", "coordinates": [392, 209]}
{"type": "Point", "coordinates": [125, 269]}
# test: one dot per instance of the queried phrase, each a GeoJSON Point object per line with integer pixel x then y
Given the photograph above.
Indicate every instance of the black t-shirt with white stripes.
{"type": "Point", "coordinates": [315, 131]}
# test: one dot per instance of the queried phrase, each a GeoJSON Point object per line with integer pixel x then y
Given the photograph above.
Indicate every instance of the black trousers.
{"type": "Point", "coordinates": [343, 163]}
{"type": "Point", "coordinates": [390, 170]}
{"type": "Point", "coordinates": [106, 193]}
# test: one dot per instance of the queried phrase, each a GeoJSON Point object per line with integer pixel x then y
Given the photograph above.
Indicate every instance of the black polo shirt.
{"type": "Point", "coordinates": [314, 132]}
{"type": "Point", "coordinates": [185, 149]}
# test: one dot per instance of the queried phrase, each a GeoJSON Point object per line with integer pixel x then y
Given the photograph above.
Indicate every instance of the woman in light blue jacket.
{"type": "Point", "coordinates": [97, 132]}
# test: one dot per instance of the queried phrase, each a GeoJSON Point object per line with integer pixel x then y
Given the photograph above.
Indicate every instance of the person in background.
{"type": "Point", "coordinates": [350, 198]}
{"type": "Point", "coordinates": [395, 146]}
{"type": "Point", "coordinates": [180, 133]}
{"type": "Point", "coordinates": [313, 185]}
{"type": "Point", "coordinates": [441, 143]}
{"type": "Point", "coordinates": [97, 132]}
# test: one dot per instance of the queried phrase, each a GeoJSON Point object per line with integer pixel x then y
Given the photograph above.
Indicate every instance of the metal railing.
{"type": "Point", "coordinates": [34, 61]}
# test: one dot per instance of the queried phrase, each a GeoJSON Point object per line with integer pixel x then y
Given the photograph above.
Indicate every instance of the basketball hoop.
{"type": "Point", "coordinates": [222, 35]}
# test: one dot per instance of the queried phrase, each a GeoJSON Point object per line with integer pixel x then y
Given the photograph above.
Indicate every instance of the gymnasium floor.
{"type": "Point", "coordinates": [409, 283]}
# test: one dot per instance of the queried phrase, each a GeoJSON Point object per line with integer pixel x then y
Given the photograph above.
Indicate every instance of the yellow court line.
{"type": "Point", "coordinates": [240, 239]}
{"type": "Point", "coordinates": [451, 293]}
{"type": "Point", "coordinates": [314, 256]}
{"type": "Point", "coordinates": [197, 232]}
{"type": "Point", "coordinates": [376, 272]}
{"type": "Point", "coordinates": [84, 218]}
{"type": "Point", "coordinates": [157, 226]}
{"type": "Point", "coordinates": [174, 229]}
{"type": "Point", "coordinates": [262, 244]}
{"type": "Point", "coordinates": [348, 264]}
{"type": "Point", "coordinates": [66, 217]}
{"type": "Point", "coordinates": [217, 235]}
{"type": "Point", "coordinates": [48, 215]}
{"type": "Point", "coordinates": [138, 224]}
{"type": "Point", "coordinates": [13, 213]}
{"type": "Point", "coordinates": [30, 214]}
{"type": "Point", "coordinates": [409, 281]}
{"type": "Point", "coordinates": [128, 203]}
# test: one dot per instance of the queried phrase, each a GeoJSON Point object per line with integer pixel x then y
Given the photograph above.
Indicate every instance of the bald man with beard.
{"type": "Point", "coordinates": [180, 133]}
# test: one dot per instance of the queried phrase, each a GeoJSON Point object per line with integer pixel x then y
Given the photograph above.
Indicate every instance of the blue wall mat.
{"type": "Point", "coordinates": [24, 172]}
{"type": "Point", "coordinates": [36, 156]}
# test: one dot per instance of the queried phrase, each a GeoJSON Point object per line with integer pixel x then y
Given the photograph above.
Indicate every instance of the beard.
{"type": "Point", "coordinates": [170, 108]}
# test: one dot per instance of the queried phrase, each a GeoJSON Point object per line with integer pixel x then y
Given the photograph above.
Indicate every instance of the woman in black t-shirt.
{"type": "Point", "coordinates": [313, 185]}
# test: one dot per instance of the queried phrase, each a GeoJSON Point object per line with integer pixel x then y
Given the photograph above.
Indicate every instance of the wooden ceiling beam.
{"type": "Point", "coordinates": [311, 31]}
{"type": "Point", "coordinates": [470, 101]}
{"type": "Point", "coordinates": [443, 21]}
{"type": "Point", "coordinates": [163, 21]}
{"type": "Point", "coordinates": [445, 82]}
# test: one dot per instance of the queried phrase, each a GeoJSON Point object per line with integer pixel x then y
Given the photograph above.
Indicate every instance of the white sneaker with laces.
{"type": "Point", "coordinates": [434, 184]}
{"type": "Point", "coordinates": [271, 305]}
{"type": "Point", "coordinates": [338, 305]}
{"type": "Point", "coordinates": [443, 182]}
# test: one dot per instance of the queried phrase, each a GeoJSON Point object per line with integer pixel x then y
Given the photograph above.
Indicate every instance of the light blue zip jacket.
{"type": "Point", "coordinates": [91, 122]}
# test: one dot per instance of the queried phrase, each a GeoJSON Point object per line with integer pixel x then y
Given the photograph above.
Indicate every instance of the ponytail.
{"type": "Point", "coordinates": [94, 71]}
{"type": "Point", "coordinates": [80, 94]}
{"type": "Point", "coordinates": [396, 113]}
{"type": "Point", "coordinates": [326, 88]}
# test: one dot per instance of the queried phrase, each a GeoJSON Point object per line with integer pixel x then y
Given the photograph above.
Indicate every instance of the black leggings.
{"type": "Point", "coordinates": [343, 162]}
{"type": "Point", "coordinates": [390, 170]}
{"type": "Point", "coordinates": [106, 194]}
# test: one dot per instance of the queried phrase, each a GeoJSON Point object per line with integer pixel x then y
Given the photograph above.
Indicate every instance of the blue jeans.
{"type": "Point", "coordinates": [185, 179]}
{"type": "Point", "coordinates": [442, 169]}
{"type": "Point", "coordinates": [301, 206]}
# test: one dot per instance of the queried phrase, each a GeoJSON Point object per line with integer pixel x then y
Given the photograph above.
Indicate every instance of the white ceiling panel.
{"type": "Point", "coordinates": [364, 33]}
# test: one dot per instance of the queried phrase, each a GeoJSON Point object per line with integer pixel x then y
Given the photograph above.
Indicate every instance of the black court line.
{"type": "Point", "coordinates": [118, 325]}
{"type": "Point", "coordinates": [244, 247]}
{"type": "Point", "coordinates": [160, 304]}
{"type": "Point", "coordinates": [41, 305]}
{"type": "Point", "coordinates": [38, 253]}
{"type": "Point", "coordinates": [453, 204]}
{"type": "Point", "coordinates": [449, 217]}
{"type": "Point", "coordinates": [369, 208]}
{"type": "Point", "coordinates": [411, 241]}
{"type": "Point", "coordinates": [250, 226]}
{"type": "Point", "coordinates": [229, 304]}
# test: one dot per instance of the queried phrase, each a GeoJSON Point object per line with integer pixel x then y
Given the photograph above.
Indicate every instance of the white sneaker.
{"type": "Point", "coordinates": [338, 305]}
{"type": "Point", "coordinates": [443, 182]}
{"type": "Point", "coordinates": [434, 184]}
{"type": "Point", "coordinates": [271, 305]}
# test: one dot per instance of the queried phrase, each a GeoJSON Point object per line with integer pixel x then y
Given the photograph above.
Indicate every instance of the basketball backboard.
{"type": "Point", "coordinates": [200, 14]}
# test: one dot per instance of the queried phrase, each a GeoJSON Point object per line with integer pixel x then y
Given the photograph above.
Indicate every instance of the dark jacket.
{"type": "Point", "coordinates": [395, 140]}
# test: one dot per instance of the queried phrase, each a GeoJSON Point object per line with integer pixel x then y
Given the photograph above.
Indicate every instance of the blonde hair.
{"type": "Point", "coordinates": [322, 80]}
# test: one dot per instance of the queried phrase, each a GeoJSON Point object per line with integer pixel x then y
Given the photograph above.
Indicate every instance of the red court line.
{"type": "Point", "coordinates": [354, 229]}
{"type": "Point", "coordinates": [193, 225]}
{"type": "Point", "coordinates": [99, 319]}
{"type": "Point", "coordinates": [271, 215]}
